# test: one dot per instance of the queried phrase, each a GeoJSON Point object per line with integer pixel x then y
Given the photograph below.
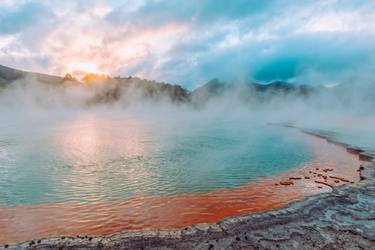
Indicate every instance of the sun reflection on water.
{"type": "Point", "coordinates": [102, 159]}
{"type": "Point", "coordinates": [88, 140]}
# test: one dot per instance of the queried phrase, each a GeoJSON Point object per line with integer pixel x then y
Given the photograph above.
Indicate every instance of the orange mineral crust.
{"type": "Point", "coordinates": [330, 166]}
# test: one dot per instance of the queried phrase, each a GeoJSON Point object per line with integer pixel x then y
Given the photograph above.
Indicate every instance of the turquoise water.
{"type": "Point", "coordinates": [91, 157]}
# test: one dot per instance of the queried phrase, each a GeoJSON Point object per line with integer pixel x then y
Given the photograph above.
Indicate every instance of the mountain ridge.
{"type": "Point", "coordinates": [110, 89]}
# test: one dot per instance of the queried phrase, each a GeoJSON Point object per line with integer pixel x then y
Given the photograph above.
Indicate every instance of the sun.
{"type": "Point", "coordinates": [80, 69]}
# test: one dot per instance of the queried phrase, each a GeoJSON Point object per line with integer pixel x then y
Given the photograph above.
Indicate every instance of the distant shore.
{"type": "Point", "coordinates": [343, 218]}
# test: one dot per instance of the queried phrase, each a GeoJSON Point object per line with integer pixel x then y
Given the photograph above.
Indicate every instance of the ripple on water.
{"type": "Point", "coordinates": [90, 159]}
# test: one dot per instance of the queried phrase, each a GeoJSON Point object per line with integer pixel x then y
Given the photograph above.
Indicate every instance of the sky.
{"type": "Point", "coordinates": [191, 42]}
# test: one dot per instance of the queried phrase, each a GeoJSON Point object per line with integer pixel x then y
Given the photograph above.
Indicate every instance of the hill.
{"type": "Point", "coordinates": [9, 75]}
{"type": "Point", "coordinates": [248, 91]}
{"type": "Point", "coordinates": [107, 89]}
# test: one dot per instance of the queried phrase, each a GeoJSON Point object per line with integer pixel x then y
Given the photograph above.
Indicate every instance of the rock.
{"type": "Point", "coordinates": [365, 157]}
{"type": "Point", "coordinates": [339, 178]}
{"type": "Point", "coordinates": [353, 150]}
{"type": "Point", "coordinates": [328, 185]}
{"type": "Point", "coordinates": [295, 178]}
{"type": "Point", "coordinates": [286, 183]}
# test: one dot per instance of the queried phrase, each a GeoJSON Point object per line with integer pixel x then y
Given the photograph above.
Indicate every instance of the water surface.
{"type": "Point", "coordinates": [92, 173]}
{"type": "Point", "coordinates": [102, 157]}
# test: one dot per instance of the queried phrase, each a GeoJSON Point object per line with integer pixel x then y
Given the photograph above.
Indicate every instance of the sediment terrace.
{"type": "Point", "coordinates": [343, 218]}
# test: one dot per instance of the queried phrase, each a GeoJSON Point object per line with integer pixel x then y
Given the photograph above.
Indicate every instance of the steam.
{"type": "Point", "coordinates": [344, 104]}
{"type": "Point", "coordinates": [60, 126]}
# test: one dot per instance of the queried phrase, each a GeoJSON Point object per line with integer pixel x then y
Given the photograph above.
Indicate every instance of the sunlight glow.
{"type": "Point", "coordinates": [79, 69]}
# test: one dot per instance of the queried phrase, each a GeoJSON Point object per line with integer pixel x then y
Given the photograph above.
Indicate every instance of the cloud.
{"type": "Point", "coordinates": [190, 42]}
{"type": "Point", "coordinates": [153, 13]}
{"type": "Point", "coordinates": [14, 19]}
{"type": "Point", "coordinates": [266, 56]}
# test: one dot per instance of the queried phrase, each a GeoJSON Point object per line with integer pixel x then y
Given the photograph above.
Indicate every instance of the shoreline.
{"type": "Point", "coordinates": [291, 226]}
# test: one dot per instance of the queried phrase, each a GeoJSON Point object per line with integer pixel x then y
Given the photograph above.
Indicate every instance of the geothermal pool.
{"type": "Point", "coordinates": [88, 158]}
{"type": "Point", "coordinates": [92, 173]}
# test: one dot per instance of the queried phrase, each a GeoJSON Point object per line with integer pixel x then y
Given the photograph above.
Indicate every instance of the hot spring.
{"type": "Point", "coordinates": [102, 172]}
{"type": "Point", "coordinates": [90, 157]}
